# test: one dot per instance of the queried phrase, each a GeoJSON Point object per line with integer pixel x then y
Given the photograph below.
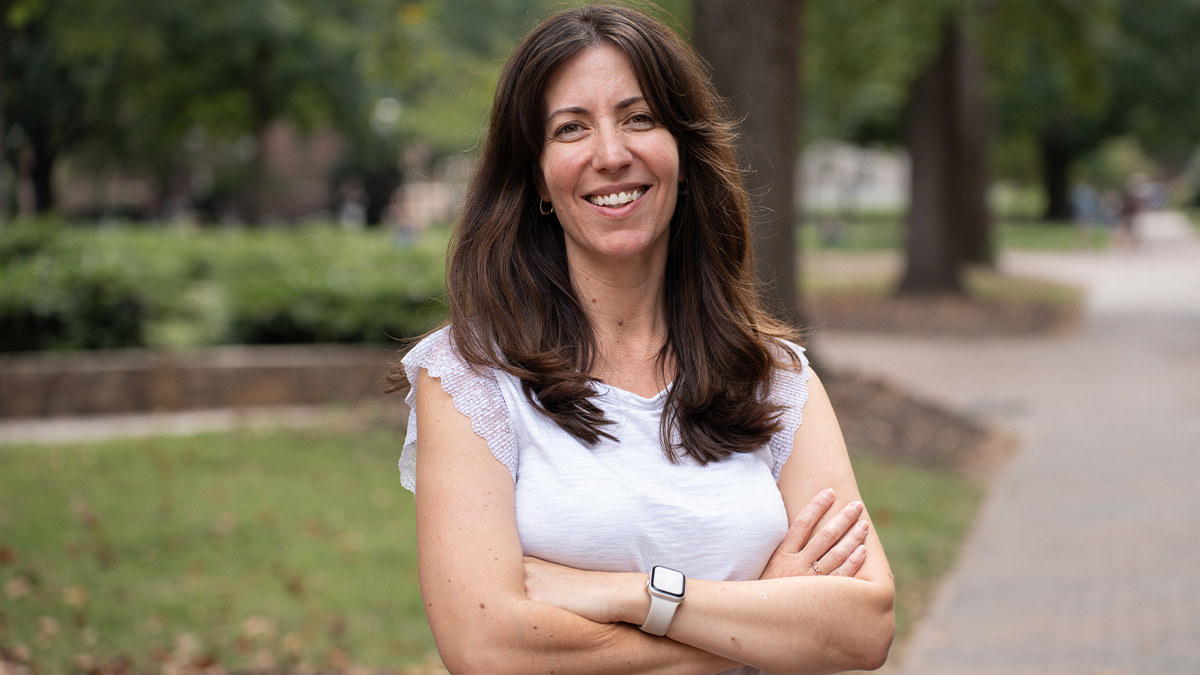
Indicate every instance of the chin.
{"type": "Point", "coordinates": [626, 253]}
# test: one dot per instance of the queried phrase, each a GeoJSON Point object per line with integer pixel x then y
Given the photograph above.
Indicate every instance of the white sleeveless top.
{"type": "Point", "coordinates": [620, 506]}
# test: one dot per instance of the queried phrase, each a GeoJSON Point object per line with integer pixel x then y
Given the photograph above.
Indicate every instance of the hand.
{"type": "Point", "coordinates": [836, 550]}
{"type": "Point", "coordinates": [603, 597]}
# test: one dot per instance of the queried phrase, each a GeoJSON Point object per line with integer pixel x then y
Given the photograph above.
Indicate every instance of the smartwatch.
{"type": "Point", "coordinates": [666, 587]}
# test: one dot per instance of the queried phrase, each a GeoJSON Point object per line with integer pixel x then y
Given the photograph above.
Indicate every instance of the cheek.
{"type": "Point", "coordinates": [669, 159]}
{"type": "Point", "coordinates": [553, 174]}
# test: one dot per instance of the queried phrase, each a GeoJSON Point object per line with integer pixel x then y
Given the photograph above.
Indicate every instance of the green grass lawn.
{"type": "Point", "coordinates": [888, 232]}
{"type": "Point", "coordinates": [246, 549]}
{"type": "Point", "coordinates": [1194, 215]}
{"type": "Point", "coordinates": [921, 516]}
{"type": "Point", "coordinates": [285, 549]}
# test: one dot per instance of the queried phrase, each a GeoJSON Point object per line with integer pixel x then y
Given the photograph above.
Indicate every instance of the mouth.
{"type": "Point", "coordinates": [616, 200]}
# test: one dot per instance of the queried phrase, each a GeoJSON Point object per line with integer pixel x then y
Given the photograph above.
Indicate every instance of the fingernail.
{"type": "Point", "coordinates": [826, 493]}
{"type": "Point", "coordinates": [863, 526]}
{"type": "Point", "coordinates": [858, 507]}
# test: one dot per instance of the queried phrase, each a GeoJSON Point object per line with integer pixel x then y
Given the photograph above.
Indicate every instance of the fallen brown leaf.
{"type": "Point", "coordinates": [75, 596]}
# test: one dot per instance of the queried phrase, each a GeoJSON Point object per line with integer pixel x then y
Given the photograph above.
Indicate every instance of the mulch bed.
{"type": "Point", "coordinates": [883, 420]}
{"type": "Point", "coordinates": [940, 315]}
{"type": "Point", "coordinates": [886, 422]}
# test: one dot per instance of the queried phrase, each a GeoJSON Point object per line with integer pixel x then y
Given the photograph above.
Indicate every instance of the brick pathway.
{"type": "Point", "coordinates": [1085, 558]}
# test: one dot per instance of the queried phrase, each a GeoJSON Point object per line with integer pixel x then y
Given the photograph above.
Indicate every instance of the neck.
{"type": "Point", "coordinates": [625, 308]}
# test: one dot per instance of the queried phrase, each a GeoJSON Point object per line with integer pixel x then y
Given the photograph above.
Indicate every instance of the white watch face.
{"type": "Point", "coordinates": [667, 580]}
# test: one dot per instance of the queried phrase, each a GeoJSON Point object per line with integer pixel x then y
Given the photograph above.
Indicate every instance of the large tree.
{"type": "Point", "coordinates": [44, 97]}
{"type": "Point", "coordinates": [947, 133]}
{"type": "Point", "coordinates": [4, 169]}
{"type": "Point", "coordinates": [1051, 66]}
{"type": "Point", "coordinates": [912, 76]}
{"type": "Point", "coordinates": [1154, 72]}
{"type": "Point", "coordinates": [129, 78]}
{"type": "Point", "coordinates": [754, 57]}
{"type": "Point", "coordinates": [1072, 74]}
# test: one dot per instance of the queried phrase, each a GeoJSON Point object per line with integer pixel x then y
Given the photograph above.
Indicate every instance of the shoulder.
{"type": "Point", "coordinates": [474, 391]}
{"type": "Point", "coordinates": [432, 348]}
{"type": "Point", "coordinates": [439, 354]}
{"type": "Point", "coordinates": [788, 391]}
{"type": "Point", "coordinates": [791, 376]}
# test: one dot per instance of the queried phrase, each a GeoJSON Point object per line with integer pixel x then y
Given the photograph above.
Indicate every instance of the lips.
{"type": "Point", "coordinates": [617, 197]}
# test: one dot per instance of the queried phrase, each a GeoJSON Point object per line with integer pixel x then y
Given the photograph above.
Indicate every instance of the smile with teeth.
{"type": "Point", "coordinates": [617, 198]}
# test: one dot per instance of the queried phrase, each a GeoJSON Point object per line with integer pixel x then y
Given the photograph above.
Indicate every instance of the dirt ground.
{"type": "Point", "coordinates": [885, 421]}
{"type": "Point", "coordinates": [881, 420]}
{"type": "Point", "coordinates": [932, 315]}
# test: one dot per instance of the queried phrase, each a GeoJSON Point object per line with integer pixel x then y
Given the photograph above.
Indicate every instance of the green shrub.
{"type": "Point", "coordinates": [60, 289]}
{"type": "Point", "coordinates": [87, 288]}
{"type": "Point", "coordinates": [27, 239]}
{"type": "Point", "coordinates": [320, 285]}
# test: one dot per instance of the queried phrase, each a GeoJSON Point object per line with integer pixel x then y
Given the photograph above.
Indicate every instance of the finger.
{"type": "Point", "coordinates": [834, 530]}
{"type": "Point", "coordinates": [808, 517]}
{"type": "Point", "coordinates": [853, 564]}
{"type": "Point", "coordinates": [849, 543]}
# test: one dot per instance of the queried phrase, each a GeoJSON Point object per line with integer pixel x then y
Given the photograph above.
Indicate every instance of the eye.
{"type": "Point", "coordinates": [641, 121]}
{"type": "Point", "coordinates": [568, 131]}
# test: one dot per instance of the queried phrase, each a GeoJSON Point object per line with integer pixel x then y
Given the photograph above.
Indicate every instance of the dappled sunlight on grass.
{"type": "Point", "coordinates": [921, 516]}
{"type": "Point", "coordinates": [251, 550]}
{"type": "Point", "coordinates": [888, 232]}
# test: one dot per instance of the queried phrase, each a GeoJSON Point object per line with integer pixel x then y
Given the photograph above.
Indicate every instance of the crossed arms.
{"type": "Point", "coordinates": [493, 611]}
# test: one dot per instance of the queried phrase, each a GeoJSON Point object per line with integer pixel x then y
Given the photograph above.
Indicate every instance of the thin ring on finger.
{"type": "Point", "coordinates": [817, 570]}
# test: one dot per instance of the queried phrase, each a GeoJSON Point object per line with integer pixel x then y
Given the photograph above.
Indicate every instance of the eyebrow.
{"type": "Point", "coordinates": [577, 110]}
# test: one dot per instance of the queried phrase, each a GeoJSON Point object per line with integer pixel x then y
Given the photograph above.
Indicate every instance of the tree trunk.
{"type": "Point", "coordinates": [41, 174]}
{"type": "Point", "coordinates": [973, 172]}
{"type": "Point", "coordinates": [4, 172]}
{"type": "Point", "coordinates": [256, 204]}
{"type": "Point", "coordinates": [261, 114]}
{"type": "Point", "coordinates": [754, 54]}
{"type": "Point", "coordinates": [933, 252]}
{"type": "Point", "coordinates": [1056, 164]}
{"type": "Point", "coordinates": [949, 224]}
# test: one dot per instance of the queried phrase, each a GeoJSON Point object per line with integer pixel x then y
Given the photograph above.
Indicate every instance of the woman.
{"type": "Point", "coordinates": [609, 412]}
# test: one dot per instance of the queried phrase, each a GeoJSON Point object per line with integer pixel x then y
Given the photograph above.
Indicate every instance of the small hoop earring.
{"type": "Point", "coordinates": [545, 208]}
{"type": "Point", "coordinates": [683, 187]}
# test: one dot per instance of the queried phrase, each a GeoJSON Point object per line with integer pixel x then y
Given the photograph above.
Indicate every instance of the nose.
{"type": "Point", "coordinates": [611, 151]}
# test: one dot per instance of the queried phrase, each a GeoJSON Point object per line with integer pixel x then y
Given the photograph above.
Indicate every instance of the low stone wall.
{"type": "Point", "coordinates": [134, 381]}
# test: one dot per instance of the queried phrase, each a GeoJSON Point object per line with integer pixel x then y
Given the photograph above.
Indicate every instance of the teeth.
{"type": "Point", "coordinates": [616, 199]}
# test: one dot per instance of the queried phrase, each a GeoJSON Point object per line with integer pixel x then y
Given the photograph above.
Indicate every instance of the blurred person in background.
{"type": "Point", "coordinates": [1131, 206]}
{"type": "Point", "coordinates": [621, 463]}
{"type": "Point", "coordinates": [1085, 211]}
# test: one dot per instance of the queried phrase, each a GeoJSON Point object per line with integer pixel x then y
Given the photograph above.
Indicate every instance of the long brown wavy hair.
{"type": "Point", "coordinates": [512, 304]}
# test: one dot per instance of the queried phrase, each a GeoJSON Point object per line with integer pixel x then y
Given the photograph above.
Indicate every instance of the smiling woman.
{"type": "Point", "coordinates": [621, 462]}
{"type": "Point", "coordinates": [608, 168]}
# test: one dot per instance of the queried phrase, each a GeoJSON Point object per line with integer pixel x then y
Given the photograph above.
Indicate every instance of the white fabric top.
{"type": "Point", "coordinates": [619, 506]}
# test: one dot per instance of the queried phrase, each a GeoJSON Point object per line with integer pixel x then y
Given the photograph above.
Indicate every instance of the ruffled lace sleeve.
{"type": "Point", "coordinates": [789, 388]}
{"type": "Point", "coordinates": [476, 394]}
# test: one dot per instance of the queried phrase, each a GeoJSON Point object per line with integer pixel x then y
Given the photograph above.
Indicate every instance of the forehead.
{"type": "Point", "coordinates": [594, 76]}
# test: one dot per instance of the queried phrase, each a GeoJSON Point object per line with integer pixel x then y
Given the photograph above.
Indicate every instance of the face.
{"type": "Point", "coordinates": [607, 165]}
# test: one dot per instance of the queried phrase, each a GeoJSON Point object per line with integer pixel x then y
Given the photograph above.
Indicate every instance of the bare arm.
{"type": "Point", "coordinates": [802, 624]}
{"type": "Point", "coordinates": [473, 579]}
{"type": "Point", "coordinates": [787, 624]}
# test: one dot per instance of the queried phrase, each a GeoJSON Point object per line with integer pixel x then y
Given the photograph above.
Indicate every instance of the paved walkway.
{"type": "Point", "coordinates": [1086, 556]}
{"type": "Point", "coordinates": [108, 427]}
